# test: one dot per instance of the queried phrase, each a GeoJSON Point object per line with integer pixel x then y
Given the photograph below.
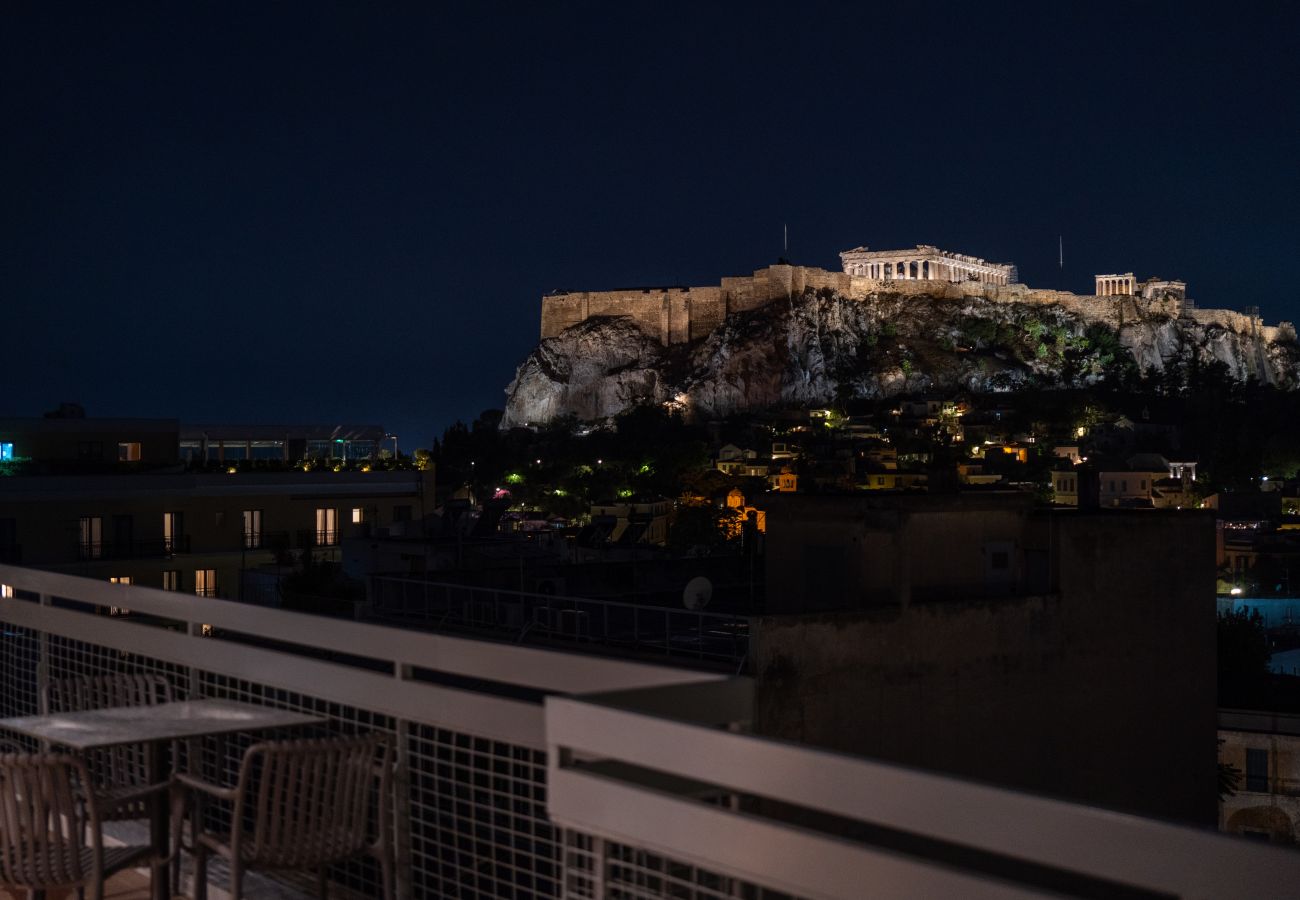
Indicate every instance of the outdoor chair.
{"type": "Point", "coordinates": [50, 835]}
{"type": "Point", "coordinates": [119, 772]}
{"type": "Point", "coordinates": [296, 805]}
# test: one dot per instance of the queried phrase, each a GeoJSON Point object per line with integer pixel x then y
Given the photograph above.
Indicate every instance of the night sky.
{"type": "Point", "coordinates": [250, 212]}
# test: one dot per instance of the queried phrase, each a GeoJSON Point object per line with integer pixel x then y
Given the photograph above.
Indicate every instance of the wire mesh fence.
{"type": "Point", "coordinates": [471, 824]}
{"type": "Point", "coordinates": [470, 810]}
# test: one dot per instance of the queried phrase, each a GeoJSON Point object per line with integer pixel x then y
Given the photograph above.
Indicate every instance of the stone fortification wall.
{"type": "Point", "coordinates": [673, 315]}
{"type": "Point", "coordinates": [679, 315]}
{"type": "Point", "coordinates": [1282, 331]}
{"type": "Point", "coordinates": [1231, 320]}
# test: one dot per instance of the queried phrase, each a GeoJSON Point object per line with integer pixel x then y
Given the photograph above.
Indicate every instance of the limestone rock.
{"type": "Point", "coordinates": [594, 370]}
{"type": "Point", "coordinates": [821, 347]}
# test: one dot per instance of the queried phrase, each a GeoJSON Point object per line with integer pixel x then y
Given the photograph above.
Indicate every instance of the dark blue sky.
{"type": "Point", "coordinates": [261, 212]}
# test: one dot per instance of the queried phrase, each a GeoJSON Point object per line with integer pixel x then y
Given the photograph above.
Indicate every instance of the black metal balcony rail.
{"type": "Point", "coordinates": [317, 537]}
{"type": "Point", "coordinates": [152, 548]}
{"type": "Point", "coordinates": [720, 639]}
{"type": "Point", "coordinates": [267, 540]}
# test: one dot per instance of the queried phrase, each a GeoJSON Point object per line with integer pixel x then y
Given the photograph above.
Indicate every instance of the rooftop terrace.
{"type": "Point", "coordinates": [526, 772]}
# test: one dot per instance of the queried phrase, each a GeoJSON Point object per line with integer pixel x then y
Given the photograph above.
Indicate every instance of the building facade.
{"type": "Point", "coordinates": [110, 499]}
{"type": "Point", "coordinates": [194, 533]}
{"type": "Point", "coordinates": [1264, 750]}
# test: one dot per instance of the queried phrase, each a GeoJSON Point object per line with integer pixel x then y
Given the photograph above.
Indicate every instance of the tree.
{"type": "Point", "coordinates": [702, 528]}
{"type": "Point", "coordinates": [1229, 778]}
{"type": "Point", "coordinates": [1243, 645]}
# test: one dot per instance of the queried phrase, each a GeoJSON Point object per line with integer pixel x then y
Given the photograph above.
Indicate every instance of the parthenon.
{"type": "Point", "coordinates": [924, 263]}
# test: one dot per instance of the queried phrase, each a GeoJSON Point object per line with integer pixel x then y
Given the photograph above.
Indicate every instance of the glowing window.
{"type": "Point", "coordinates": [6, 450]}
{"type": "Point", "coordinates": [173, 526]}
{"type": "Point", "coordinates": [327, 527]}
{"type": "Point", "coordinates": [205, 582]}
{"type": "Point", "coordinates": [356, 515]}
{"type": "Point", "coordinates": [128, 451]}
{"type": "Point", "coordinates": [6, 591]}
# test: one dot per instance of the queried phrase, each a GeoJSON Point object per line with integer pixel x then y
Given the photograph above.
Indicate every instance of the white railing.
{"type": "Point", "coordinates": [462, 713]}
{"type": "Point", "coordinates": [643, 785]}
{"type": "Point", "coordinates": [655, 769]}
{"type": "Point", "coordinates": [398, 650]}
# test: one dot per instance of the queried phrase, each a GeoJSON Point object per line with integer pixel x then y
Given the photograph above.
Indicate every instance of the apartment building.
{"type": "Point", "coordinates": [194, 532]}
{"type": "Point", "coordinates": [110, 499]}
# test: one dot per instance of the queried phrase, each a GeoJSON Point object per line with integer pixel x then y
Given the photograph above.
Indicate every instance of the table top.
{"type": "Point", "coordinates": [116, 725]}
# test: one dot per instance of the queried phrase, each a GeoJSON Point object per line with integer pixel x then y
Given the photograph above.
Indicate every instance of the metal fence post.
{"type": "Point", "coordinates": [43, 662]}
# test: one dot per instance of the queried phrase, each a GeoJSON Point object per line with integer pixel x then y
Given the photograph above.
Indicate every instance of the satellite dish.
{"type": "Point", "coordinates": [698, 592]}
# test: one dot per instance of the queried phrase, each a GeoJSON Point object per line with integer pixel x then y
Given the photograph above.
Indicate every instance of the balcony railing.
{"type": "Point", "coordinates": [153, 548]}
{"type": "Point", "coordinates": [522, 617]}
{"type": "Point", "coordinates": [645, 789]}
{"type": "Point", "coordinates": [317, 537]}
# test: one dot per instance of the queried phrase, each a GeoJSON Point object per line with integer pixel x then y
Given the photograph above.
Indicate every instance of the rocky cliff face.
{"type": "Point", "coordinates": [821, 347]}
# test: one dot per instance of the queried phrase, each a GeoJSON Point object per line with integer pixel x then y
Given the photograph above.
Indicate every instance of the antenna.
{"type": "Point", "coordinates": [785, 239]}
{"type": "Point", "coordinates": [1061, 248]}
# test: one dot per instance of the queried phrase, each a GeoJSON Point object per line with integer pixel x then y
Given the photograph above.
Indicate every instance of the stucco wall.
{"type": "Point", "coordinates": [1068, 692]}
{"type": "Point", "coordinates": [1275, 810]}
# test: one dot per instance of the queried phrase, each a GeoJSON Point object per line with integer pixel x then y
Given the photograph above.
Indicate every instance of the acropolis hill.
{"type": "Point", "coordinates": [891, 322]}
{"type": "Point", "coordinates": [678, 315]}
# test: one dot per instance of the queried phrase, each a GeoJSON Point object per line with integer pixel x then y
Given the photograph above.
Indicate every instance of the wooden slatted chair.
{"type": "Point", "coordinates": [119, 772]}
{"type": "Point", "coordinates": [297, 805]}
{"type": "Point", "coordinates": [50, 835]}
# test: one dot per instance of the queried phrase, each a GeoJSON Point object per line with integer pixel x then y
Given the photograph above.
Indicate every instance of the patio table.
{"type": "Point", "coordinates": [155, 726]}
